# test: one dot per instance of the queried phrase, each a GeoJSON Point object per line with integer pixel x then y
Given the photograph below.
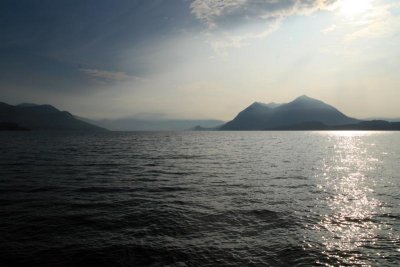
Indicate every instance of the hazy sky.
{"type": "Point", "coordinates": [200, 58]}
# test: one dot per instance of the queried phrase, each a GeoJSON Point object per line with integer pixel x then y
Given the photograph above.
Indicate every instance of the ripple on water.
{"type": "Point", "coordinates": [200, 199]}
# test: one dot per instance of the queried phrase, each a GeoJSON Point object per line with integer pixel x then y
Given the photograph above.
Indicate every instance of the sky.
{"type": "Point", "coordinates": [200, 59]}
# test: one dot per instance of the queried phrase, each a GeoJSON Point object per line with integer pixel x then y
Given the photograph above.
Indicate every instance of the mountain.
{"type": "Point", "coordinates": [9, 126]}
{"type": "Point", "coordinates": [27, 105]}
{"type": "Point", "coordinates": [271, 105]}
{"type": "Point", "coordinates": [41, 117]}
{"type": "Point", "coordinates": [300, 112]}
{"type": "Point", "coordinates": [137, 124]}
{"type": "Point", "coordinates": [382, 119]}
{"type": "Point", "coordinates": [374, 125]}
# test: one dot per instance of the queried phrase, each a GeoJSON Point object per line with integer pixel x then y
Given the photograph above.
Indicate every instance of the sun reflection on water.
{"type": "Point", "coordinates": [348, 223]}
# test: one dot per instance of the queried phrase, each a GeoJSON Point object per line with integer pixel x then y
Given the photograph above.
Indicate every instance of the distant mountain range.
{"type": "Point", "coordinates": [137, 124]}
{"type": "Point", "coordinates": [303, 113]}
{"type": "Point", "coordinates": [27, 116]}
{"type": "Point", "coordinates": [40, 117]}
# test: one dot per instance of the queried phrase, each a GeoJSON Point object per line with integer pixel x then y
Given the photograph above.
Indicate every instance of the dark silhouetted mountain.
{"type": "Point", "coordinates": [10, 126]}
{"type": "Point", "coordinates": [304, 126]}
{"type": "Point", "coordinates": [303, 109]}
{"type": "Point", "coordinates": [27, 105]}
{"type": "Point", "coordinates": [375, 125]}
{"type": "Point", "coordinates": [361, 126]}
{"type": "Point", "coordinates": [137, 124]}
{"type": "Point", "coordinates": [42, 117]}
{"type": "Point", "coordinates": [382, 119]}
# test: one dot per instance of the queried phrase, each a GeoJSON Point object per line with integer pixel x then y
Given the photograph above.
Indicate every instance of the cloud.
{"type": "Point", "coordinates": [329, 29]}
{"type": "Point", "coordinates": [222, 17]}
{"type": "Point", "coordinates": [236, 41]}
{"type": "Point", "coordinates": [217, 13]}
{"type": "Point", "coordinates": [104, 76]}
{"type": "Point", "coordinates": [380, 22]}
{"type": "Point", "coordinates": [209, 10]}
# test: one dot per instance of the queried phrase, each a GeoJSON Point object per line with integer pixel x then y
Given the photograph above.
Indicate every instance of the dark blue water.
{"type": "Point", "coordinates": [200, 199]}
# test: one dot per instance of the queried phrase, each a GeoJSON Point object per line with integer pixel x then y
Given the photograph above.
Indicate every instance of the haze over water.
{"type": "Point", "coordinates": [200, 199]}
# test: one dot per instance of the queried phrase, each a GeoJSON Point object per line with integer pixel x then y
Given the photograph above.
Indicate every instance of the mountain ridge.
{"type": "Point", "coordinates": [136, 124]}
{"type": "Point", "coordinates": [302, 113]}
{"type": "Point", "coordinates": [41, 117]}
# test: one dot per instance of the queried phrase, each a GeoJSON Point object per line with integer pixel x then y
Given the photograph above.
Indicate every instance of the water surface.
{"type": "Point", "coordinates": [200, 199]}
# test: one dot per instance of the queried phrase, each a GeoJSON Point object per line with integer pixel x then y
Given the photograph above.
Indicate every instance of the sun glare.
{"type": "Point", "coordinates": [352, 8]}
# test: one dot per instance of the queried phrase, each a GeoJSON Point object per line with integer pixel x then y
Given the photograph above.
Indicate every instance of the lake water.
{"type": "Point", "coordinates": [200, 199]}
